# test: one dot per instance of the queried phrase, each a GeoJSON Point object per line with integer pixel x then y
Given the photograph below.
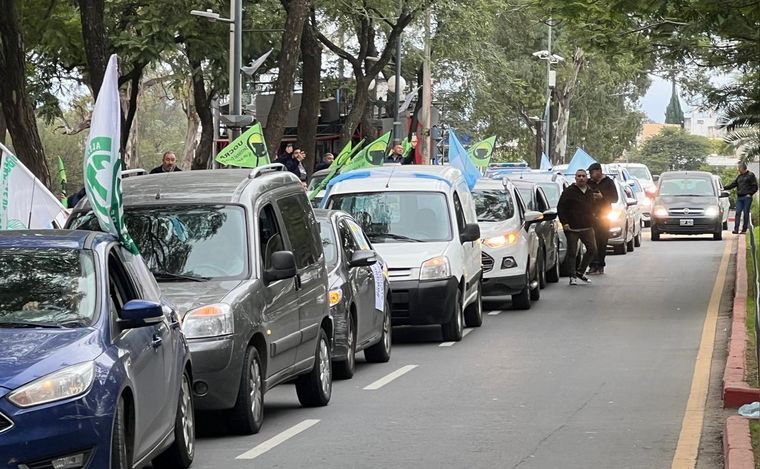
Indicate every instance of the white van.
{"type": "Point", "coordinates": [422, 221]}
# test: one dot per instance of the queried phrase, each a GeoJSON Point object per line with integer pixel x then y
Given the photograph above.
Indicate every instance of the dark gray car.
{"type": "Point", "coordinates": [240, 253]}
{"type": "Point", "coordinates": [535, 199]}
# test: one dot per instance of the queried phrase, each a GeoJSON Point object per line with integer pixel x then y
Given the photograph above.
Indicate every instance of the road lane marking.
{"type": "Point", "coordinates": [278, 439]}
{"type": "Point", "coordinates": [494, 313]}
{"type": "Point", "coordinates": [446, 344]}
{"type": "Point", "coordinates": [687, 448]}
{"type": "Point", "coordinates": [466, 331]}
{"type": "Point", "coordinates": [390, 377]}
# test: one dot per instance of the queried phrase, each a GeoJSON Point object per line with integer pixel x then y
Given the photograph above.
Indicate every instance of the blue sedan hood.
{"type": "Point", "coordinates": [28, 354]}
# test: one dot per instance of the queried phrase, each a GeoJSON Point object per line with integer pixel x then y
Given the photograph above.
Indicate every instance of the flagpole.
{"type": "Point", "coordinates": [397, 117]}
{"type": "Point", "coordinates": [427, 95]}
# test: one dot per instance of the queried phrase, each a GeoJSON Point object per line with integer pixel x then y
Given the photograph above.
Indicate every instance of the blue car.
{"type": "Point", "coordinates": [94, 369]}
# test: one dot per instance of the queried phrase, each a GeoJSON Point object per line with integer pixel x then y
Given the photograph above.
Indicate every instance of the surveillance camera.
{"type": "Point", "coordinates": [206, 14]}
{"type": "Point", "coordinates": [557, 59]}
{"type": "Point", "coordinates": [542, 54]}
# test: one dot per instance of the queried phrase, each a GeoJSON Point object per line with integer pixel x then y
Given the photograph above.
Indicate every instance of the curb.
{"type": "Point", "coordinates": [736, 391]}
{"type": "Point", "coordinates": [737, 444]}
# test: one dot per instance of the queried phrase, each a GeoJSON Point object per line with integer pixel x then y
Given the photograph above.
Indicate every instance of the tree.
{"type": "Point", "coordinates": [673, 113]}
{"type": "Point", "coordinates": [308, 115]}
{"type": "Point", "coordinates": [673, 150]}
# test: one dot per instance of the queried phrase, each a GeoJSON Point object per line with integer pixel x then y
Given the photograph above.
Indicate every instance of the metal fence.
{"type": "Point", "coordinates": [756, 268]}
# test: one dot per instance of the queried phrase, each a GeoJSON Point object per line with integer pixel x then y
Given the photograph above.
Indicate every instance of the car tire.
{"type": "Point", "coordinates": [718, 236]}
{"type": "Point", "coordinates": [381, 351]}
{"type": "Point", "coordinates": [473, 314]}
{"type": "Point", "coordinates": [655, 234]}
{"type": "Point", "coordinates": [180, 454]}
{"type": "Point", "coordinates": [344, 369]}
{"type": "Point", "coordinates": [248, 413]}
{"type": "Point", "coordinates": [619, 249]}
{"type": "Point", "coordinates": [535, 293]}
{"type": "Point", "coordinates": [522, 300]}
{"type": "Point", "coordinates": [630, 244]}
{"type": "Point", "coordinates": [637, 240]}
{"type": "Point", "coordinates": [454, 329]}
{"type": "Point", "coordinates": [119, 452]}
{"type": "Point", "coordinates": [552, 275]}
{"type": "Point", "coordinates": [725, 225]}
{"type": "Point", "coordinates": [315, 387]}
{"type": "Point", "coordinates": [541, 271]}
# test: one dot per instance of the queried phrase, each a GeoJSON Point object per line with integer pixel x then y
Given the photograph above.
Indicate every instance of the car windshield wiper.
{"type": "Point", "coordinates": [30, 324]}
{"type": "Point", "coordinates": [168, 276]}
{"type": "Point", "coordinates": [396, 237]}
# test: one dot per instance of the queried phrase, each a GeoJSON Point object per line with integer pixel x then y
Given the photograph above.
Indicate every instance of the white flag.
{"type": "Point", "coordinates": [102, 161]}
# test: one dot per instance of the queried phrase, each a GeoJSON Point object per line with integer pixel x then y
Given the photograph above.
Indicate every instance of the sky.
{"type": "Point", "coordinates": [657, 98]}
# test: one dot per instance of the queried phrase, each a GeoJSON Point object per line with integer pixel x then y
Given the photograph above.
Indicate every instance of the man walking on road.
{"type": "Point", "coordinates": [576, 213]}
{"type": "Point", "coordinates": [168, 164]}
{"type": "Point", "coordinates": [604, 194]}
{"type": "Point", "coordinates": [746, 186]}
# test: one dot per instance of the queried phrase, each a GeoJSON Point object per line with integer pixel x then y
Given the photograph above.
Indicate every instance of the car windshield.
{"type": "Point", "coordinates": [552, 192]}
{"type": "Point", "coordinates": [493, 205]}
{"type": "Point", "coordinates": [640, 172]}
{"type": "Point", "coordinates": [188, 242]}
{"type": "Point", "coordinates": [315, 180]}
{"type": "Point", "coordinates": [329, 244]}
{"type": "Point", "coordinates": [46, 288]}
{"type": "Point", "coordinates": [686, 187]}
{"type": "Point", "coordinates": [392, 217]}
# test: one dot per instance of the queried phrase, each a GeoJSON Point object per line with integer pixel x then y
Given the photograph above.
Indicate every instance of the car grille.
{"type": "Point", "coordinates": [399, 274]}
{"type": "Point", "coordinates": [400, 303]}
{"type": "Point", "coordinates": [686, 211]}
{"type": "Point", "coordinates": [5, 423]}
{"type": "Point", "coordinates": [487, 262]}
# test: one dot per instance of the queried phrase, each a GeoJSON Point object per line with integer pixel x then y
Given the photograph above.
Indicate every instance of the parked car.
{"type": "Point", "coordinates": [95, 371]}
{"type": "Point", "coordinates": [316, 180]}
{"type": "Point", "coordinates": [358, 294]}
{"type": "Point", "coordinates": [625, 221]}
{"type": "Point", "coordinates": [240, 253]}
{"type": "Point", "coordinates": [617, 171]}
{"type": "Point", "coordinates": [688, 202]}
{"type": "Point", "coordinates": [512, 251]}
{"type": "Point", "coordinates": [535, 199]}
{"type": "Point", "coordinates": [725, 203]}
{"type": "Point", "coordinates": [641, 172]}
{"type": "Point", "coordinates": [422, 221]}
{"type": "Point", "coordinates": [643, 199]}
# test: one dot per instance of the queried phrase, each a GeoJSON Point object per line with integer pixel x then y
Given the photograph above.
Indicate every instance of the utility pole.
{"type": "Point", "coordinates": [396, 117]}
{"type": "Point", "coordinates": [548, 111]}
{"type": "Point", "coordinates": [236, 49]}
{"type": "Point", "coordinates": [427, 97]}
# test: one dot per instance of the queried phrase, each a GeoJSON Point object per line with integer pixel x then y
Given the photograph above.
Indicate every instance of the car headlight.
{"type": "Point", "coordinates": [712, 211]}
{"type": "Point", "coordinates": [615, 215]}
{"type": "Point", "coordinates": [69, 382]}
{"type": "Point", "coordinates": [507, 239]}
{"type": "Point", "coordinates": [208, 321]}
{"type": "Point", "coordinates": [435, 269]}
{"type": "Point", "coordinates": [660, 211]}
{"type": "Point", "coordinates": [335, 296]}
{"type": "Point", "coordinates": [646, 201]}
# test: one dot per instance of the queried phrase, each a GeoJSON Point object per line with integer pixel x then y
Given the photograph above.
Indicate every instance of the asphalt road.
{"type": "Point", "coordinates": [593, 376]}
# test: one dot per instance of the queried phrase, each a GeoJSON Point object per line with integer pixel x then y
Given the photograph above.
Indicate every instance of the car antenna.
{"type": "Point", "coordinates": [388, 182]}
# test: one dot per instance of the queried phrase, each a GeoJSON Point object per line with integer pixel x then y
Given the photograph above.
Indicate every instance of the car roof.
{"type": "Point", "coordinates": [681, 174]}
{"type": "Point", "coordinates": [322, 214]}
{"type": "Point", "coordinates": [53, 239]}
{"type": "Point", "coordinates": [436, 178]}
{"type": "Point", "coordinates": [486, 183]}
{"type": "Point", "coordinates": [321, 172]}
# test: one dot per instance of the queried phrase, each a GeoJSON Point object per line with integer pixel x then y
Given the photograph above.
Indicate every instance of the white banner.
{"type": "Point", "coordinates": [25, 203]}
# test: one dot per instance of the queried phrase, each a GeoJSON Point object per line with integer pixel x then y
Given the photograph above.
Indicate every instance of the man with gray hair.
{"type": "Point", "coordinates": [746, 186]}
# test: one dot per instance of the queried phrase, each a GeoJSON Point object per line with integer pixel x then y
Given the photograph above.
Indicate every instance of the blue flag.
{"type": "Point", "coordinates": [581, 160]}
{"type": "Point", "coordinates": [460, 159]}
{"type": "Point", "coordinates": [545, 163]}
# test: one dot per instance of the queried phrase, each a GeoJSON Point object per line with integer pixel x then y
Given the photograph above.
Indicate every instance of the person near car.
{"type": "Point", "coordinates": [604, 195]}
{"type": "Point", "coordinates": [289, 159]}
{"type": "Point", "coordinates": [576, 213]}
{"type": "Point", "coordinates": [325, 163]}
{"type": "Point", "coordinates": [301, 171]}
{"type": "Point", "coordinates": [746, 186]}
{"type": "Point", "coordinates": [396, 156]}
{"type": "Point", "coordinates": [168, 164]}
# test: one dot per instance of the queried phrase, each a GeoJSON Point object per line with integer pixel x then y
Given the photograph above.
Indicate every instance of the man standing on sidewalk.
{"type": "Point", "coordinates": [576, 213]}
{"type": "Point", "coordinates": [604, 193]}
{"type": "Point", "coordinates": [746, 186]}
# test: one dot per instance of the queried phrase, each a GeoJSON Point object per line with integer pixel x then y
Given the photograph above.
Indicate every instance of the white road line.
{"type": "Point", "coordinates": [446, 344]}
{"type": "Point", "coordinates": [466, 331]}
{"type": "Point", "coordinates": [494, 313]}
{"type": "Point", "coordinates": [278, 439]}
{"type": "Point", "coordinates": [390, 377]}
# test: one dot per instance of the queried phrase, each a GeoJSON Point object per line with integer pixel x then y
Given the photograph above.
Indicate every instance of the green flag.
{"type": "Point", "coordinates": [481, 152]}
{"type": "Point", "coordinates": [62, 178]}
{"type": "Point", "coordinates": [343, 157]}
{"type": "Point", "coordinates": [247, 151]}
{"type": "Point", "coordinates": [372, 155]}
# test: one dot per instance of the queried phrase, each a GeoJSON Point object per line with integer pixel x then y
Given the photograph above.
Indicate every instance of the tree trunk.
{"type": "Point", "coordinates": [191, 135]}
{"type": "Point", "coordinates": [298, 10]}
{"type": "Point", "coordinates": [92, 14]}
{"type": "Point", "coordinates": [308, 115]}
{"type": "Point", "coordinates": [14, 99]}
{"type": "Point", "coordinates": [202, 105]}
{"type": "Point", "coordinates": [559, 149]}
{"type": "Point", "coordinates": [361, 99]}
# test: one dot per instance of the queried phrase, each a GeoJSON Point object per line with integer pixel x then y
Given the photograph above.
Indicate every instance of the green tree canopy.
{"type": "Point", "coordinates": [673, 150]}
{"type": "Point", "coordinates": [674, 113]}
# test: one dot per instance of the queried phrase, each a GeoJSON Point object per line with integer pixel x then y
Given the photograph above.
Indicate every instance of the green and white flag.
{"type": "Point", "coordinates": [481, 152]}
{"type": "Point", "coordinates": [372, 155]}
{"type": "Point", "coordinates": [247, 151]}
{"type": "Point", "coordinates": [343, 157]}
{"type": "Point", "coordinates": [102, 161]}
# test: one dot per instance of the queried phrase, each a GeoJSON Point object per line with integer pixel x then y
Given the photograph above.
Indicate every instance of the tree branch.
{"type": "Point", "coordinates": [340, 52]}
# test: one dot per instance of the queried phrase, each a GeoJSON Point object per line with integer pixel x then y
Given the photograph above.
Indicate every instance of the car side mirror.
{"type": "Point", "coordinates": [363, 258]}
{"type": "Point", "coordinates": [531, 216]}
{"type": "Point", "coordinates": [550, 214]}
{"type": "Point", "coordinates": [631, 202]}
{"type": "Point", "coordinates": [470, 233]}
{"type": "Point", "coordinates": [724, 194]}
{"type": "Point", "coordinates": [283, 267]}
{"type": "Point", "coordinates": [140, 313]}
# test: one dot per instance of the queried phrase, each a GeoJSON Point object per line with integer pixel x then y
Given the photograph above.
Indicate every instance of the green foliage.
{"type": "Point", "coordinates": [673, 149]}
{"type": "Point", "coordinates": [674, 113]}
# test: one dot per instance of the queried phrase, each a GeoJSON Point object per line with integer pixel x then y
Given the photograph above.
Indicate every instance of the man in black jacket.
{"type": "Point", "coordinates": [576, 213]}
{"type": "Point", "coordinates": [746, 186]}
{"type": "Point", "coordinates": [605, 194]}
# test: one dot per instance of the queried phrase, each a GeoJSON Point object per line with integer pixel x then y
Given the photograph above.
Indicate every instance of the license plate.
{"type": "Point", "coordinates": [687, 222]}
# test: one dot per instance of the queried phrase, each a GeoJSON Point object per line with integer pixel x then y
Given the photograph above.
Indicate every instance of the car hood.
{"type": "Point", "coordinates": [492, 229]}
{"type": "Point", "coordinates": [693, 201]}
{"type": "Point", "coordinates": [191, 295]}
{"type": "Point", "coordinates": [28, 354]}
{"type": "Point", "coordinates": [409, 255]}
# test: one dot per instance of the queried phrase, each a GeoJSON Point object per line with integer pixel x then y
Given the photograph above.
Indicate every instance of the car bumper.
{"type": "Point", "coordinates": [415, 302]}
{"type": "Point", "coordinates": [47, 432]}
{"type": "Point", "coordinates": [216, 367]}
{"type": "Point", "coordinates": [701, 225]}
{"type": "Point", "coordinates": [502, 288]}
{"type": "Point", "coordinates": [617, 235]}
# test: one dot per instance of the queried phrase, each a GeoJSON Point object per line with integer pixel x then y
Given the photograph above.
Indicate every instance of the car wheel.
{"type": "Point", "coordinates": [119, 452]}
{"type": "Point", "coordinates": [655, 234]}
{"type": "Point", "coordinates": [630, 244]}
{"type": "Point", "coordinates": [315, 388]}
{"type": "Point", "coordinates": [552, 275]}
{"type": "Point", "coordinates": [541, 272]}
{"type": "Point", "coordinates": [535, 293]}
{"type": "Point", "coordinates": [718, 236]}
{"type": "Point", "coordinates": [180, 454]}
{"type": "Point", "coordinates": [345, 369]}
{"type": "Point", "coordinates": [381, 351]}
{"type": "Point", "coordinates": [453, 330]}
{"type": "Point", "coordinates": [248, 413]}
{"type": "Point", "coordinates": [725, 225]}
{"type": "Point", "coordinates": [619, 249]}
{"type": "Point", "coordinates": [473, 314]}
{"type": "Point", "coordinates": [637, 240]}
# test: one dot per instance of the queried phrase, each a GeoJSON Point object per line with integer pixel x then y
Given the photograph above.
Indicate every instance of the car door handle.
{"type": "Point", "coordinates": [157, 341]}
{"type": "Point", "coordinates": [298, 281]}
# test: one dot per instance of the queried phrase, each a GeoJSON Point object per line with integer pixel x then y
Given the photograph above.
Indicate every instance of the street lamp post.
{"type": "Point", "coordinates": [396, 117]}
{"type": "Point", "coordinates": [538, 123]}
